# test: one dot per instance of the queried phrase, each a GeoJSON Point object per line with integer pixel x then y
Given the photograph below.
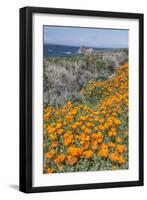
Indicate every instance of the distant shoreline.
{"type": "Point", "coordinates": [51, 50]}
{"type": "Point", "coordinates": [94, 47]}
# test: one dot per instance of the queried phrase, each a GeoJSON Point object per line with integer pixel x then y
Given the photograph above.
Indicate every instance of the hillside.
{"type": "Point", "coordinates": [91, 133]}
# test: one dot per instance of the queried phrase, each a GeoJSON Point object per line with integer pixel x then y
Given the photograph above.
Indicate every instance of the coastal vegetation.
{"type": "Point", "coordinates": [85, 113]}
{"type": "Point", "coordinates": [65, 77]}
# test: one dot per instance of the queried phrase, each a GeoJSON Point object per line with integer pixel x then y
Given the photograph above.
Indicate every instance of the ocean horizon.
{"type": "Point", "coordinates": [66, 50]}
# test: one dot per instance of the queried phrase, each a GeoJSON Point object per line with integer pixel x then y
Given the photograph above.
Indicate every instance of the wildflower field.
{"type": "Point", "coordinates": [90, 134]}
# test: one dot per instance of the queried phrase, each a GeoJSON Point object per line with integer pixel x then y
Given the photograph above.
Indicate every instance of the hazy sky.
{"type": "Point", "coordinates": [111, 38]}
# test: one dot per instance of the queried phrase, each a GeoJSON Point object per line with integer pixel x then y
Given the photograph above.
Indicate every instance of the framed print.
{"type": "Point", "coordinates": [81, 99]}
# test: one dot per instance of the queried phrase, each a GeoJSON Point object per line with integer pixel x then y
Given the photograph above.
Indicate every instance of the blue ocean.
{"type": "Point", "coordinates": [63, 50]}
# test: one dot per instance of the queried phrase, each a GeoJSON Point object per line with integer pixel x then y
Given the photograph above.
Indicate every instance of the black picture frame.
{"type": "Point", "coordinates": [26, 99]}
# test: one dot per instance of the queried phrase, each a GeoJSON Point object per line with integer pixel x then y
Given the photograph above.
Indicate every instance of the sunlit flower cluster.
{"type": "Point", "coordinates": [77, 136]}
